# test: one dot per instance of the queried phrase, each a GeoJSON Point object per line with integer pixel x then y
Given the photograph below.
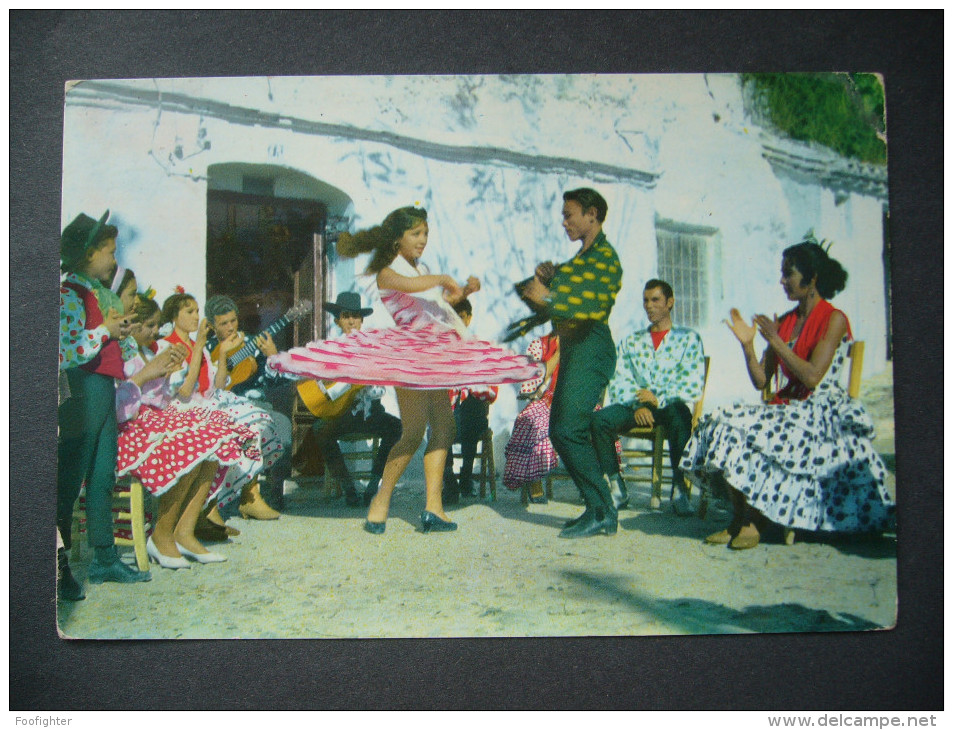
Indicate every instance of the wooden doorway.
{"type": "Point", "coordinates": [267, 254]}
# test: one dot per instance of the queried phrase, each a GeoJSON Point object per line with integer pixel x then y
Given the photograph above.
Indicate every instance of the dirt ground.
{"type": "Point", "coordinates": [314, 573]}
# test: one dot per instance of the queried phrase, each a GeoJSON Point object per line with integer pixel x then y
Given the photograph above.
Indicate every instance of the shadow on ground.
{"type": "Point", "coordinates": [697, 616]}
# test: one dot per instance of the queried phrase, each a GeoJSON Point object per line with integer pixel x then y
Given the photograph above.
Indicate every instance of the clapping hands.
{"type": "Point", "coordinates": [165, 363]}
{"type": "Point", "coordinates": [767, 326]}
{"type": "Point", "coordinates": [119, 325]}
{"type": "Point", "coordinates": [743, 331]}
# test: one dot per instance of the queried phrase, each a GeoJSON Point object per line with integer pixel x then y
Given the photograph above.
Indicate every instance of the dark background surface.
{"type": "Point", "coordinates": [898, 669]}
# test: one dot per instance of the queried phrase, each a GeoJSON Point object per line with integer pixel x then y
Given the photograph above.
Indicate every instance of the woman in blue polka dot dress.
{"type": "Point", "coordinates": [805, 460]}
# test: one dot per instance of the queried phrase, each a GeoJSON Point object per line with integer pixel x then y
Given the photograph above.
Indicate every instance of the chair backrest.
{"type": "Point", "coordinates": [697, 410]}
{"type": "Point", "coordinates": [856, 355]}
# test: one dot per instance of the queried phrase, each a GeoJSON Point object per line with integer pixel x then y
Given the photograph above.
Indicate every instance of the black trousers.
{"type": "Point", "coordinates": [86, 452]}
{"type": "Point", "coordinates": [609, 422]}
{"type": "Point", "coordinates": [378, 422]}
{"type": "Point", "coordinates": [586, 363]}
{"type": "Point", "coordinates": [472, 420]}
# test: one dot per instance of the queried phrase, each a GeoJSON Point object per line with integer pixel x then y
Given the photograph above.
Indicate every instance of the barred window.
{"type": "Point", "coordinates": [687, 256]}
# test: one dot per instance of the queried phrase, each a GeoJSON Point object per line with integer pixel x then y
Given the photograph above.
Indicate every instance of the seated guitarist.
{"type": "Point", "coordinates": [362, 412]}
{"type": "Point", "coordinates": [261, 387]}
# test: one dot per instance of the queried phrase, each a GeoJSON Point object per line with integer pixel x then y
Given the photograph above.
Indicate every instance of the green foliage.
{"type": "Point", "coordinates": [838, 110]}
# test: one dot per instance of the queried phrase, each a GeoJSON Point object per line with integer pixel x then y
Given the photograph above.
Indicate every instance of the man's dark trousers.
{"type": "Point", "coordinates": [378, 422]}
{"type": "Point", "coordinates": [586, 363]}
{"type": "Point", "coordinates": [617, 418]}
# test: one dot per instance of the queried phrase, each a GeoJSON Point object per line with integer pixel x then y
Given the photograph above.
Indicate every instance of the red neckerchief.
{"type": "Point", "coordinates": [813, 331]}
{"type": "Point", "coordinates": [203, 371]}
{"type": "Point", "coordinates": [657, 337]}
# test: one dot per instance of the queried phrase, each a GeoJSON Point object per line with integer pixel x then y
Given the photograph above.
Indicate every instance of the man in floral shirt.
{"type": "Point", "coordinates": [660, 370]}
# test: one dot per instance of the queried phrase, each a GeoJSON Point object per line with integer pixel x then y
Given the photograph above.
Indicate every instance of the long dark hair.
{"type": "Point", "coordinates": [382, 239]}
{"type": "Point", "coordinates": [812, 260]}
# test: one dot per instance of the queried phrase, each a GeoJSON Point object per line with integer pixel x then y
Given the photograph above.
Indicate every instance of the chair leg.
{"type": "Point", "coordinates": [491, 464]}
{"type": "Point", "coordinates": [657, 451]}
{"type": "Point", "coordinates": [524, 493]}
{"type": "Point", "coordinates": [137, 520]}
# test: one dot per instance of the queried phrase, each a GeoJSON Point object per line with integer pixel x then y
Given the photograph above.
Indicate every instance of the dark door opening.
{"type": "Point", "coordinates": [265, 253]}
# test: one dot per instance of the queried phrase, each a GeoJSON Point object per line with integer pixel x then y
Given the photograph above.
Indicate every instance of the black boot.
{"type": "Point", "coordinates": [595, 524]}
{"type": "Point", "coordinates": [106, 566]}
{"type": "Point", "coordinates": [451, 489]}
{"type": "Point", "coordinates": [351, 497]}
{"type": "Point", "coordinates": [67, 587]}
{"type": "Point", "coordinates": [372, 486]}
{"type": "Point", "coordinates": [620, 495]}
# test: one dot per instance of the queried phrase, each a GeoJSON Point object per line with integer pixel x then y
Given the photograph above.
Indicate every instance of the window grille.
{"type": "Point", "coordinates": [685, 260]}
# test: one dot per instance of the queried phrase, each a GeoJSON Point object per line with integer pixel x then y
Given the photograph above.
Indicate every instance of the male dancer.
{"type": "Point", "coordinates": [578, 296]}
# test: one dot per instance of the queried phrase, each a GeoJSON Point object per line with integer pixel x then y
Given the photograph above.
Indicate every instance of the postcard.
{"type": "Point", "coordinates": [287, 481]}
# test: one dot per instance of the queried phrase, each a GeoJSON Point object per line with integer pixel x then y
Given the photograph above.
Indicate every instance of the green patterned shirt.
{"type": "Point", "coordinates": [585, 287]}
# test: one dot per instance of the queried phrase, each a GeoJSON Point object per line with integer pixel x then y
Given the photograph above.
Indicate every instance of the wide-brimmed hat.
{"type": "Point", "coordinates": [78, 236]}
{"type": "Point", "coordinates": [348, 301]}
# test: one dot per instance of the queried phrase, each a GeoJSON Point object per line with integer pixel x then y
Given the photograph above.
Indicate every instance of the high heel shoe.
{"type": "Point", "coordinates": [208, 557]}
{"type": "Point", "coordinates": [431, 523]}
{"type": "Point", "coordinates": [164, 560]}
{"type": "Point", "coordinates": [375, 528]}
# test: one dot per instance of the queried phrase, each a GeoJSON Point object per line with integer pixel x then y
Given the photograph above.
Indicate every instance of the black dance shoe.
{"type": "Point", "coordinates": [115, 572]}
{"type": "Point", "coordinates": [576, 520]}
{"type": "Point", "coordinates": [67, 587]}
{"type": "Point", "coordinates": [375, 528]}
{"type": "Point", "coordinates": [587, 527]}
{"type": "Point", "coordinates": [431, 523]}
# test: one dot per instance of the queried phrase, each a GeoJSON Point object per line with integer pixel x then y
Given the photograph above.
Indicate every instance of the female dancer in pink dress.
{"type": "Point", "coordinates": [427, 353]}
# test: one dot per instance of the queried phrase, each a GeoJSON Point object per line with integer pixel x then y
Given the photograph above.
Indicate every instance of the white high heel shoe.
{"type": "Point", "coordinates": [209, 557]}
{"type": "Point", "coordinates": [164, 560]}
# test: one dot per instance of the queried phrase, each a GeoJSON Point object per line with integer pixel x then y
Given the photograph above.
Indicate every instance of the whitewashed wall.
{"type": "Point", "coordinates": [692, 155]}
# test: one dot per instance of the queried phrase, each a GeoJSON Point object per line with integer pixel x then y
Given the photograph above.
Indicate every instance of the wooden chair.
{"type": "Point", "coordinates": [524, 489]}
{"type": "Point", "coordinates": [484, 458]}
{"type": "Point", "coordinates": [657, 436]}
{"type": "Point", "coordinates": [855, 372]}
{"type": "Point", "coordinates": [130, 521]}
{"type": "Point", "coordinates": [359, 460]}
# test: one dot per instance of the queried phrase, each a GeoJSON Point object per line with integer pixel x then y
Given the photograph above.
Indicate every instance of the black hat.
{"type": "Point", "coordinates": [78, 236]}
{"type": "Point", "coordinates": [348, 301]}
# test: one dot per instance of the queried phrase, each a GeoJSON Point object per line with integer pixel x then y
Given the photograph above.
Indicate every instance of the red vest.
{"type": "Point", "coordinates": [109, 360]}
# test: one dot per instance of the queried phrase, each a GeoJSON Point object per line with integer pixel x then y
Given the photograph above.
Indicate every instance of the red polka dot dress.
{"type": "Point", "coordinates": [160, 445]}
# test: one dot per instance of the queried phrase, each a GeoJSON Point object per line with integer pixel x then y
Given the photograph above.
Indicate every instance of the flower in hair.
{"type": "Point", "coordinates": [149, 293]}
{"type": "Point", "coordinates": [179, 289]}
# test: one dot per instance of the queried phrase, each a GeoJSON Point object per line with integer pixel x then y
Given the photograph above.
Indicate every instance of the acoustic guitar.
{"type": "Point", "coordinates": [242, 364]}
{"type": "Point", "coordinates": [322, 406]}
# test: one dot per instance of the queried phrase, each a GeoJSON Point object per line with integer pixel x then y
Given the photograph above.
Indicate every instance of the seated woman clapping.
{"type": "Point", "coordinates": [805, 460]}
